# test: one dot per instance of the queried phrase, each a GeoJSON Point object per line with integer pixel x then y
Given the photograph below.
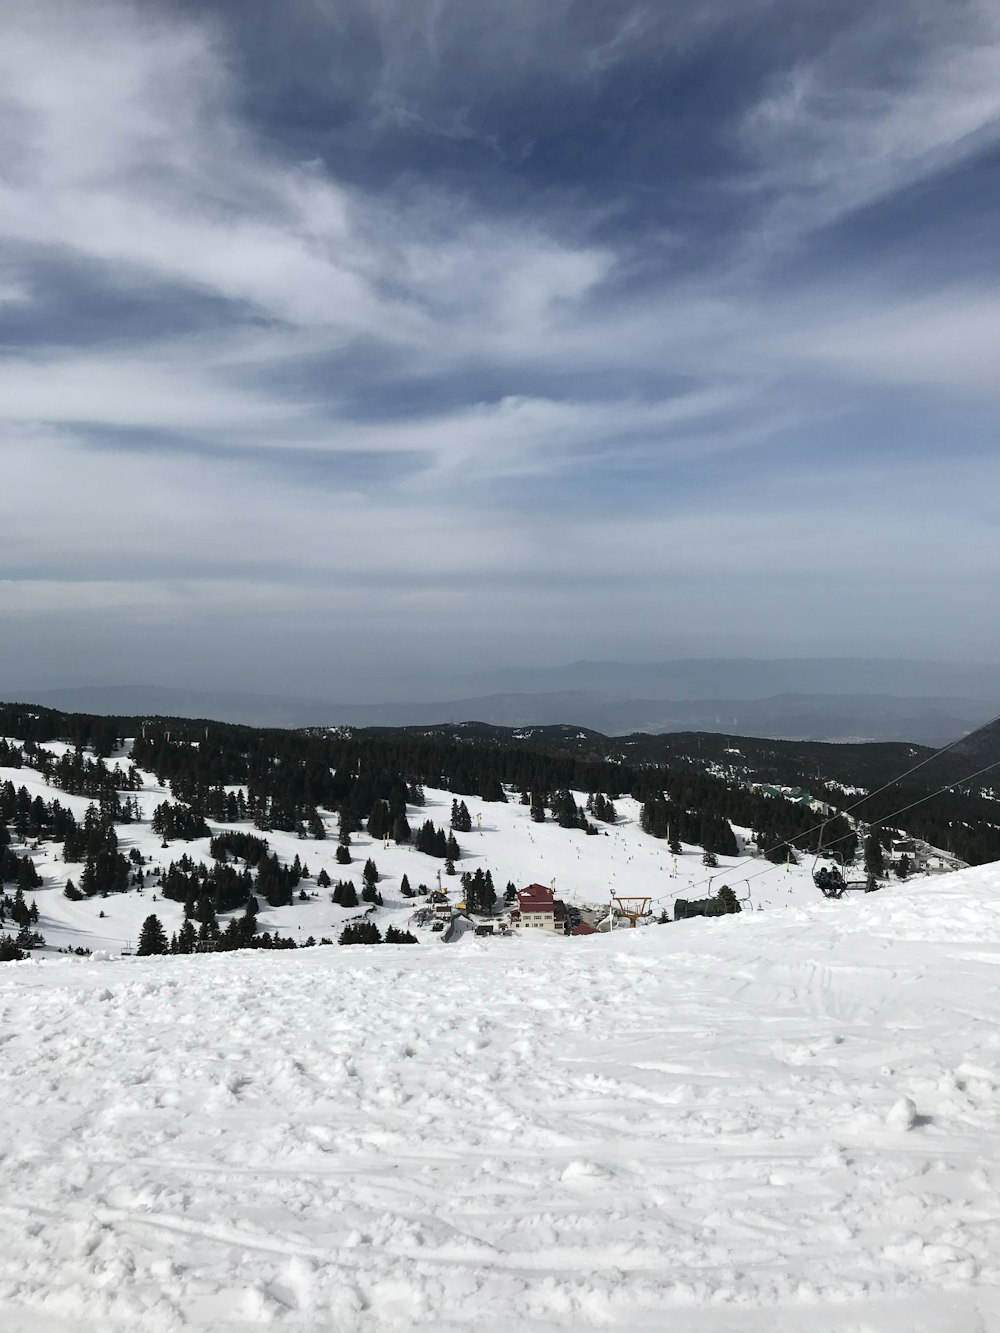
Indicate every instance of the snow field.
{"type": "Point", "coordinates": [585, 869]}
{"type": "Point", "coordinates": [779, 1121]}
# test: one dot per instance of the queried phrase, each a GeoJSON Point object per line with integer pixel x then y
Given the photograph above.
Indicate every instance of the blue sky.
{"type": "Point", "coordinates": [338, 339]}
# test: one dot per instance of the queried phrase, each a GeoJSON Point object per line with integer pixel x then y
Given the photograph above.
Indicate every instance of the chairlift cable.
{"type": "Point", "coordinates": [878, 791]}
{"type": "Point", "coordinates": [929, 796]}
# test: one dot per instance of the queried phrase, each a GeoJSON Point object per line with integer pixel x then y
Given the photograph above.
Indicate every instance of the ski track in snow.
{"type": "Point", "coordinates": [702, 1127]}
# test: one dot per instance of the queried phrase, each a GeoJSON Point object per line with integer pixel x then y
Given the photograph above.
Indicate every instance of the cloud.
{"type": "Point", "coordinates": [947, 339]}
{"type": "Point", "coordinates": [437, 385]}
{"type": "Point", "coordinates": [157, 182]}
{"type": "Point", "coordinates": [885, 105]}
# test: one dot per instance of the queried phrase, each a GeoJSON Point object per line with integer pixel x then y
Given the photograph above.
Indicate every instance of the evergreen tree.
{"type": "Point", "coordinates": [152, 938]}
{"type": "Point", "coordinates": [360, 932]}
{"type": "Point", "coordinates": [781, 854]}
{"type": "Point", "coordinates": [394, 936]}
{"type": "Point", "coordinates": [728, 900]}
{"type": "Point", "coordinates": [716, 834]}
{"type": "Point", "coordinates": [9, 951]}
{"type": "Point", "coordinates": [345, 894]}
{"type": "Point", "coordinates": [461, 820]}
{"type": "Point", "coordinates": [379, 822]}
{"type": "Point", "coordinates": [874, 860]}
{"type": "Point", "coordinates": [185, 939]}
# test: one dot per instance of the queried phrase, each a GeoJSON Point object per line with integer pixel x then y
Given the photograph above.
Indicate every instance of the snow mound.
{"type": "Point", "coordinates": [902, 1114]}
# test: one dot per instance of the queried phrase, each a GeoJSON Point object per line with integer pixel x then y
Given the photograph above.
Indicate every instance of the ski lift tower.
{"type": "Point", "coordinates": [633, 910]}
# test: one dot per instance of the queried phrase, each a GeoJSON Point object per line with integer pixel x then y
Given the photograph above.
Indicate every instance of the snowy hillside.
{"type": "Point", "coordinates": [775, 1121]}
{"type": "Point", "coordinates": [504, 840]}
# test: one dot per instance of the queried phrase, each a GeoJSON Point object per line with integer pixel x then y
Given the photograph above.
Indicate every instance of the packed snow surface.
{"type": "Point", "coordinates": [774, 1121]}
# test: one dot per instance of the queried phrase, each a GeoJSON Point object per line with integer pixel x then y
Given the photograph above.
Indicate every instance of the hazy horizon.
{"type": "Point", "coordinates": [688, 678]}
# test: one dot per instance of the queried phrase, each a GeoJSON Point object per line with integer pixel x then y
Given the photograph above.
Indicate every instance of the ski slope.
{"type": "Point", "coordinates": [775, 1121]}
{"type": "Point", "coordinates": [585, 870]}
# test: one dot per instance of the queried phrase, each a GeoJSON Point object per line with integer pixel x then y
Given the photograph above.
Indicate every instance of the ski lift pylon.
{"type": "Point", "coordinates": [633, 909]}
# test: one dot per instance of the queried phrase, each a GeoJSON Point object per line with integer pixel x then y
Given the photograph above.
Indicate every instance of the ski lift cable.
{"type": "Point", "coordinates": [878, 791]}
{"type": "Point", "coordinates": [949, 786]}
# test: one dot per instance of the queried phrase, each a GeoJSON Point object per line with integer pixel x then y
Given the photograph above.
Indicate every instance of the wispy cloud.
{"type": "Point", "coordinates": [372, 372]}
{"type": "Point", "coordinates": [892, 101]}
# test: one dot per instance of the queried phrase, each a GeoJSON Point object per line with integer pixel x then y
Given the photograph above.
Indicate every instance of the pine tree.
{"type": "Point", "coordinates": [394, 936]}
{"type": "Point", "coordinates": [728, 900]}
{"type": "Point", "coordinates": [379, 823]}
{"type": "Point", "coordinates": [461, 820]}
{"type": "Point", "coordinates": [185, 939]}
{"type": "Point", "coordinates": [9, 951]}
{"type": "Point", "coordinates": [152, 938]}
{"type": "Point", "coordinates": [874, 861]}
{"type": "Point", "coordinates": [346, 828]}
{"type": "Point", "coordinates": [360, 932]}
{"type": "Point", "coordinates": [345, 894]}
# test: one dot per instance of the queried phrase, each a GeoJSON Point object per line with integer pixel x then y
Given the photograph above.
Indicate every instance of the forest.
{"type": "Point", "coordinates": [369, 776]}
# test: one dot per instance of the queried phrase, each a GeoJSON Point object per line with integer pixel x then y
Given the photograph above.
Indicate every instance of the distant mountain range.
{"type": "Point", "coordinates": [831, 700]}
{"type": "Point", "coordinates": [691, 679]}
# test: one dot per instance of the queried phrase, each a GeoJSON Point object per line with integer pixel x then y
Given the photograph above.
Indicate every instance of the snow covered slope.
{"type": "Point", "coordinates": [777, 1121]}
{"type": "Point", "coordinates": [503, 840]}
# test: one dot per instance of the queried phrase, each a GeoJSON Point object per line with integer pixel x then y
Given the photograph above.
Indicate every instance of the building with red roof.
{"type": "Point", "coordinates": [539, 909]}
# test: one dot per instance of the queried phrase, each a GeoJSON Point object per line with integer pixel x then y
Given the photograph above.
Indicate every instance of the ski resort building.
{"type": "Point", "coordinates": [794, 795]}
{"type": "Point", "coordinates": [539, 909]}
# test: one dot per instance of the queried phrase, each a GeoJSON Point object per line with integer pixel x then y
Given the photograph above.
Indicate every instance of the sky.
{"type": "Point", "coordinates": [344, 338]}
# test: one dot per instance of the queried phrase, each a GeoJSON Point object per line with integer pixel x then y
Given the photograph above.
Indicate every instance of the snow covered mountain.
{"type": "Point", "coordinates": [504, 840]}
